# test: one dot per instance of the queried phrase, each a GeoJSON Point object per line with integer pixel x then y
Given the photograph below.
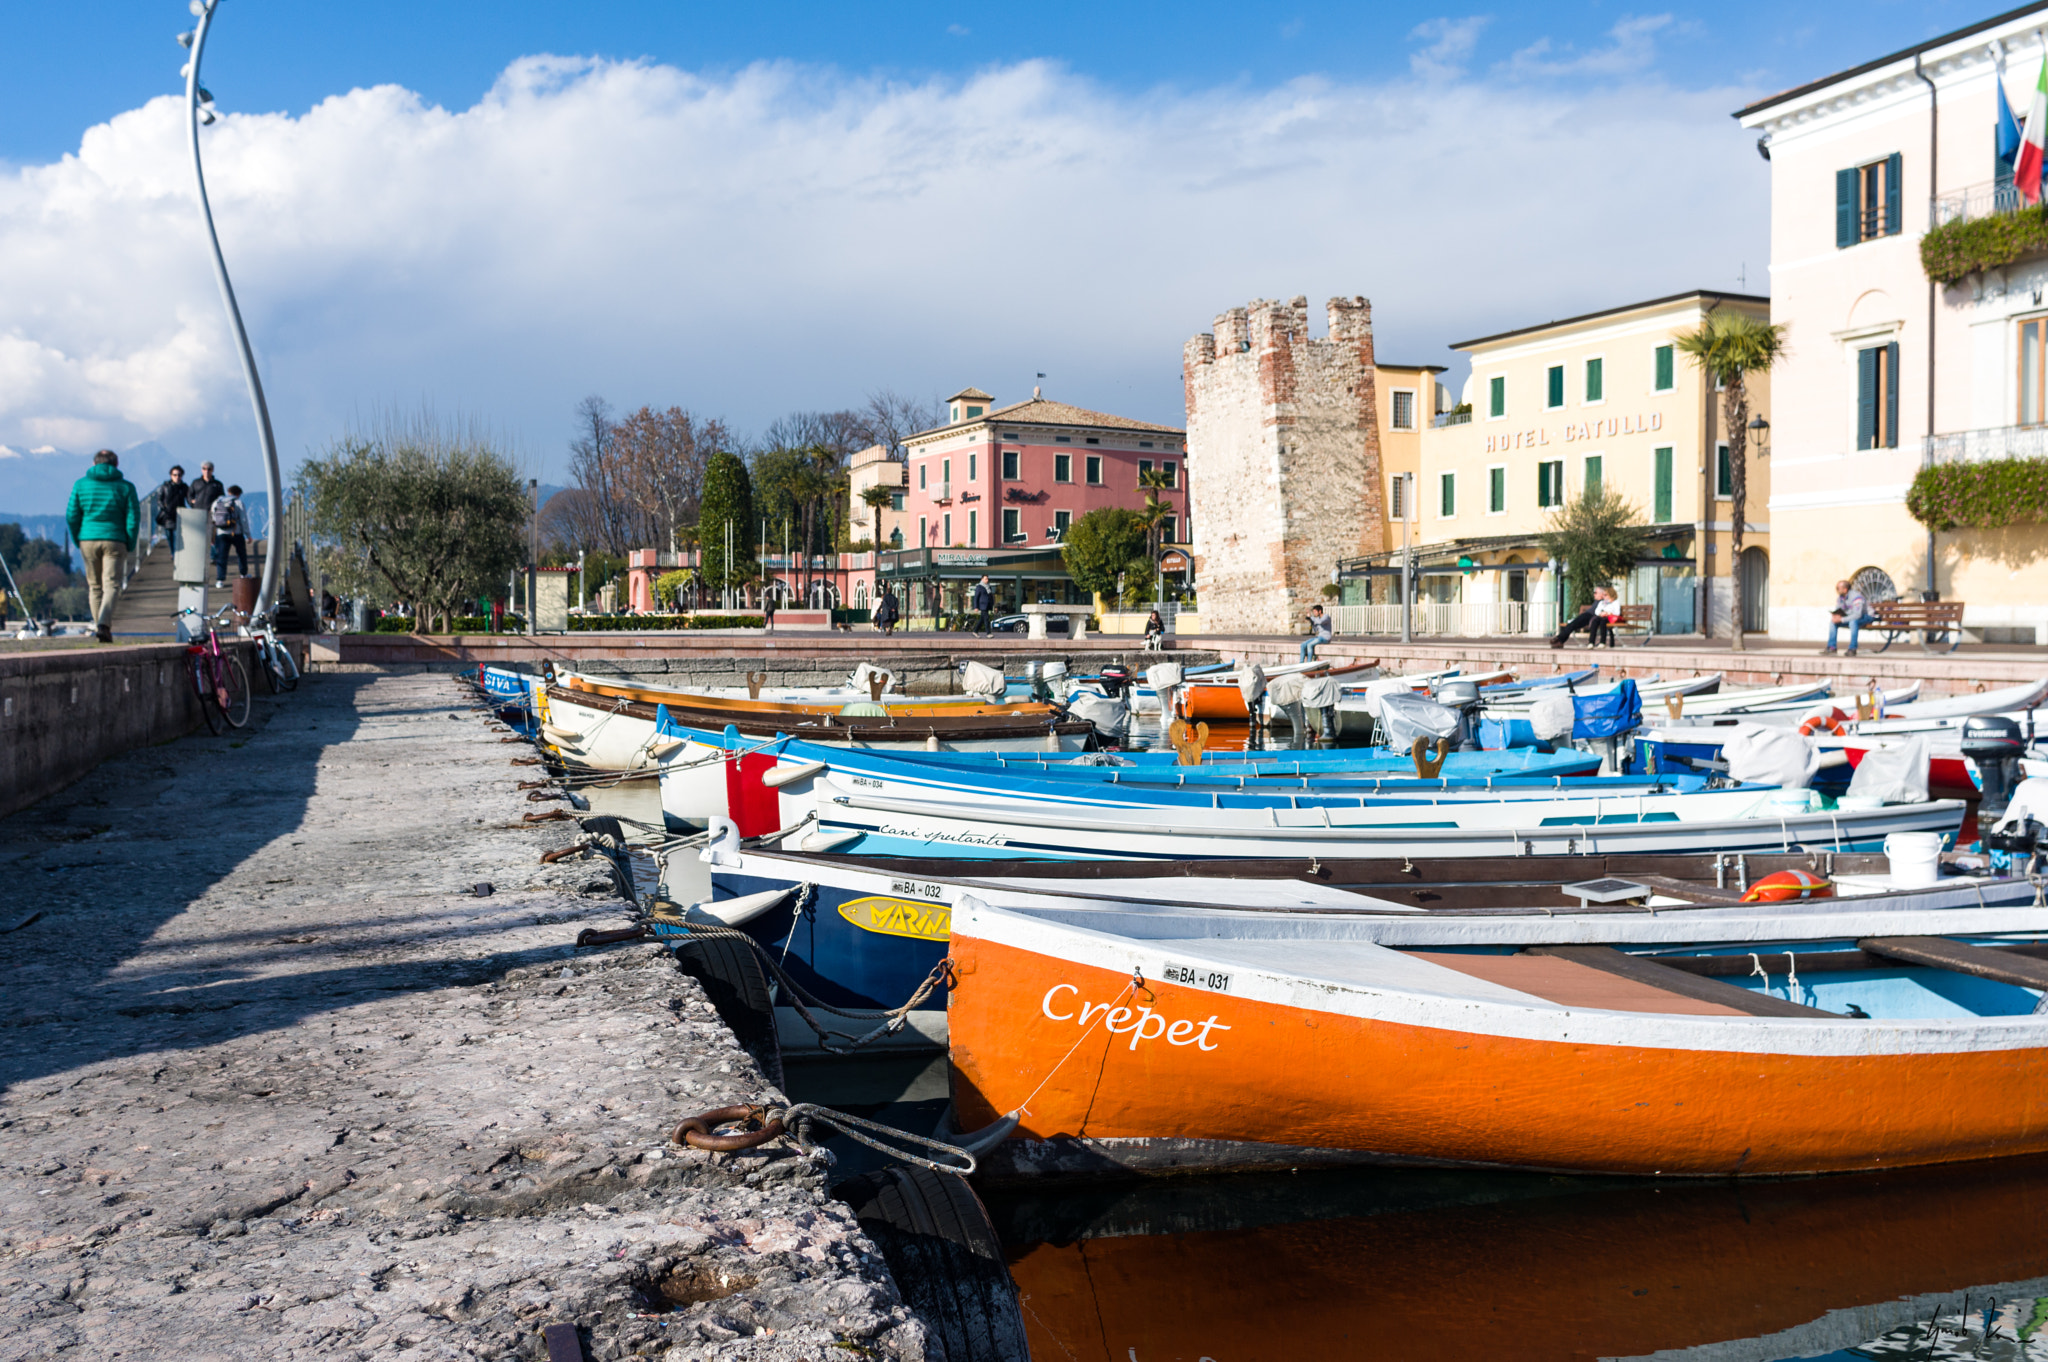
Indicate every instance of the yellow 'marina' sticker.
{"type": "Point", "coordinates": [900, 917]}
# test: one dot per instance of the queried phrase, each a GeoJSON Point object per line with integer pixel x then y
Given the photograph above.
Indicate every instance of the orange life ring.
{"type": "Point", "coordinates": [1787, 885]}
{"type": "Point", "coordinates": [1834, 721]}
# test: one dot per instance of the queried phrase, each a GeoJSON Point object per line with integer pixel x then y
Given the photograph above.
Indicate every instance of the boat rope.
{"type": "Point", "coordinates": [1136, 982]}
{"type": "Point", "coordinates": [1758, 970]}
{"type": "Point", "coordinates": [757, 1125]}
{"type": "Point", "coordinates": [892, 1019]}
{"type": "Point", "coordinates": [1792, 977]}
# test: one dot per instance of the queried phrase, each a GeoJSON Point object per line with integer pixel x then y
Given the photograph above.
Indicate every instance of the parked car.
{"type": "Point", "coordinates": [1018, 624]}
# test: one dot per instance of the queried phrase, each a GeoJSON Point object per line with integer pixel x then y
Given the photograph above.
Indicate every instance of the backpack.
{"type": "Point", "coordinates": [222, 513]}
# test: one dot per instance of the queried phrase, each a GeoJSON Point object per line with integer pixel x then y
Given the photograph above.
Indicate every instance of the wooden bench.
{"type": "Point", "coordinates": [1637, 619]}
{"type": "Point", "coordinates": [1935, 621]}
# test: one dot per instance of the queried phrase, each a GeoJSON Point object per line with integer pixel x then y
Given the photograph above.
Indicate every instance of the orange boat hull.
{"type": "Point", "coordinates": [1216, 704]}
{"type": "Point", "coordinates": [774, 707]}
{"type": "Point", "coordinates": [1207, 1079]}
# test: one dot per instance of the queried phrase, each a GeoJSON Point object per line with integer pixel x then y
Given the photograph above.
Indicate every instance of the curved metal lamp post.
{"type": "Point", "coordinates": [198, 112]}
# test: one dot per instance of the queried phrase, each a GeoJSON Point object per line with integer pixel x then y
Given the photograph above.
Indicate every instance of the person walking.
{"type": "Point", "coordinates": [103, 515]}
{"type": "Point", "coordinates": [1320, 626]}
{"type": "Point", "coordinates": [1851, 609]}
{"type": "Point", "coordinates": [984, 601]}
{"type": "Point", "coordinates": [205, 490]}
{"type": "Point", "coordinates": [230, 524]}
{"type": "Point", "coordinates": [171, 497]}
{"type": "Point", "coordinates": [886, 612]}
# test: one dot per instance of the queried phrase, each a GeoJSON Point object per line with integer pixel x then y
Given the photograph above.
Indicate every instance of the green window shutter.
{"type": "Point", "coordinates": [1497, 396]}
{"type": "Point", "coordinates": [1891, 396]}
{"type": "Point", "coordinates": [1497, 490]}
{"type": "Point", "coordinates": [1724, 473]}
{"type": "Point", "coordinates": [1867, 363]}
{"type": "Point", "coordinates": [1542, 484]}
{"type": "Point", "coordinates": [1556, 385]}
{"type": "Point", "coordinates": [1448, 492]}
{"type": "Point", "coordinates": [1593, 473]}
{"type": "Point", "coordinates": [1893, 217]}
{"type": "Point", "coordinates": [1664, 369]}
{"type": "Point", "coordinates": [1845, 208]}
{"type": "Point", "coordinates": [1596, 379]}
{"type": "Point", "coordinates": [1661, 511]}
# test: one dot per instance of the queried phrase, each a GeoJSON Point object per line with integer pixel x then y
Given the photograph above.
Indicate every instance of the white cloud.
{"type": "Point", "coordinates": [790, 237]}
{"type": "Point", "coordinates": [1450, 45]}
{"type": "Point", "coordinates": [1631, 48]}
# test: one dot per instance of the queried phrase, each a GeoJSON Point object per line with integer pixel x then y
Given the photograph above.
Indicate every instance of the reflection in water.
{"type": "Point", "coordinates": [1426, 1265]}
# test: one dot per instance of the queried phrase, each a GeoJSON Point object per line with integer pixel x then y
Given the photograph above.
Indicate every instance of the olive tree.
{"type": "Point", "coordinates": [418, 513]}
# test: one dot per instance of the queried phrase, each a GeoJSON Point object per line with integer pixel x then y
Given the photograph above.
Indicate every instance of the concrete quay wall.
{"type": "Point", "coordinates": [928, 664]}
{"type": "Point", "coordinates": [281, 1084]}
{"type": "Point", "coordinates": [65, 710]}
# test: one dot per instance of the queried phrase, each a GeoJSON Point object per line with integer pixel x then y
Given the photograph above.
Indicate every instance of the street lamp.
{"type": "Point", "coordinates": [199, 112]}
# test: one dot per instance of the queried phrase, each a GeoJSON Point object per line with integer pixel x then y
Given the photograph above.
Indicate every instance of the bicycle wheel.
{"type": "Point", "coordinates": [234, 680]}
{"type": "Point", "coordinates": [287, 666]}
{"type": "Point", "coordinates": [266, 671]}
{"type": "Point", "coordinates": [202, 682]}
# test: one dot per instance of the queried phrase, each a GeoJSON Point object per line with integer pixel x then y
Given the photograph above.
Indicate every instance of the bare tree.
{"type": "Point", "coordinates": [602, 520]}
{"type": "Point", "coordinates": [890, 418]}
{"type": "Point", "coordinates": [660, 459]}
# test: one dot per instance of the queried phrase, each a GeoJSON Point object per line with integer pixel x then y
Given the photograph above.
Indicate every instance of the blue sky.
{"type": "Point", "coordinates": [90, 59]}
{"type": "Point", "coordinates": [499, 208]}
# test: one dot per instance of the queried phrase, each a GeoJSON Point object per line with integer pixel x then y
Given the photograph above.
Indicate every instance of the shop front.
{"type": "Point", "coordinates": [934, 582]}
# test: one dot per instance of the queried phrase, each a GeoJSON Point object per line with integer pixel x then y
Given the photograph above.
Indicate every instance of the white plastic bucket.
{"type": "Point", "coordinates": [1791, 801]}
{"type": "Point", "coordinates": [1915, 858]}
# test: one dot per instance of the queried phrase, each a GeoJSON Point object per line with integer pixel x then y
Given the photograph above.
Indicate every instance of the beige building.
{"type": "Point", "coordinates": [1409, 399]}
{"type": "Point", "coordinates": [1890, 371]}
{"type": "Point", "coordinates": [883, 528]}
{"type": "Point", "coordinates": [1605, 398]}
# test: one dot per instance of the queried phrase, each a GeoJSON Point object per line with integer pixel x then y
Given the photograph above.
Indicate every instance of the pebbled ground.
{"type": "Point", "coordinates": [276, 1083]}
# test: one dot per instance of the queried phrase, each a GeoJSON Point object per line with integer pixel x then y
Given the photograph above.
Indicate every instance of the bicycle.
{"type": "Point", "coordinates": [219, 677]}
{"type": "Point", "coordinates": [274, 661]}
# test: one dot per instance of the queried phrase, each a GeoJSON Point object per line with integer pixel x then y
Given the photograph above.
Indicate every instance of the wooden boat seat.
{"type": "Point", "coordinates": [1611, 980]}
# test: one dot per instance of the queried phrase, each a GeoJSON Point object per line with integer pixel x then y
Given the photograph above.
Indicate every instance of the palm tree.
{"type": "Point", "coordinates": [1728, 347]}
{"type": "Point", "coordinates": [1154, 514]}
{"type": "Point", "coordinates": [878, 497]}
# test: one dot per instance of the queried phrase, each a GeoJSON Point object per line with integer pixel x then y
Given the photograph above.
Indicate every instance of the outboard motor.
{"type": "Point", "coordinates": [1994, 743]}
{"type": "Point", "coordinates": [1116, 680]}
{"type": "Point", "coordinates": [1045, 679]}
{"type": "Point", "coordinates": [1462, 696]}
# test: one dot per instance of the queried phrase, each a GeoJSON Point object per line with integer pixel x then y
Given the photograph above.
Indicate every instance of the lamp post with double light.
{"type": "Point", "coordinates": [198, 113]}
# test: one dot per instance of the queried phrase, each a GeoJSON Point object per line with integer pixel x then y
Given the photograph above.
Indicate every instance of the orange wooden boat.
{"type": "Point", "coordinates": [1130, 1038]}
{"type": "Point", "coordinates": [1221, 701]}
{"type": "Point", "coordinates": [932, 706]}
{"type": "Point", "coordinates": [1380, 1264]}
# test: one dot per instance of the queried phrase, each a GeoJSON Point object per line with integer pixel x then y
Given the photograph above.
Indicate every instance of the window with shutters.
{"type": "Point", "coordinates": [1399, 499]}
{"type": "Point", "coordinates": [1868, 202]}
{"type": "Point", "coordinates": [1877, 397]}
{"type": "Point", "coordinates": [1060, 521]}
{"type": "Point", "coordinates": [1553, 387]}
{"type": "Point", "coordinates": [1169, 530]}
{"type": "Point", "coordinates": [1497, 489]}
{"type": "Point", "coordinates": [1447, 495]}
{"type": "Point", "coordinates": [1667, 375]}
{"type": "Point", "coordinates": [921, 470]}
{"type": "Point", "coordinates": [1660, 497]}
{"type": "Point", "coordinates": [1095, 470]}
{"type": "Point", "coordinates": [1404, 410]}
{"type": "Point", "coordinates": [1144, 467]}
{"type": "Point", "coordinates": [1497, 396]}
{"type": "Point", "coordinates": [1596, 381]}
{"type": "Point", "coordinates": [2033, 378]}
{"type": "Point", "coordinates": [895, 501]}
{"type": "Point", "coordinates": [973, 465]}
{"type": "Point", "coordinates": [1593, 465]}
{"type": "Point", "coordinates": [1062, 468]}
{"type": "Point", "coordinates": [1167, 468]}
{"type": "Point", "coordinates": [1011, 459]}
{"type": "Point", "coordinates": [1550, 483]}
{"type": "Point", "coordinates": [1013, 526]}
{"type": "Point", "coordinates": [1724, 473]}
{"type": "Point", "coordinates": [946, 533]}
{"type": "Point", "coordinates": [973, 528]}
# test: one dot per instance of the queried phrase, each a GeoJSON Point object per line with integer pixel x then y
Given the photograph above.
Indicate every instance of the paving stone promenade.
{"type": "Point", "coordinates": [274, 1083]}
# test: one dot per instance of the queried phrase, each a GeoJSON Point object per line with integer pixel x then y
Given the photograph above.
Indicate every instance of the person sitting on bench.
{"type": "Point", "coordinates": [1589, 618]}
{"type": "Point", "coordinates": [1850, 609]}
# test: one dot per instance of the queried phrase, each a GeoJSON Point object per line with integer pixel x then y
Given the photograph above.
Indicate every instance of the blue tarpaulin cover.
{"type": "Point", "coordinates": [1604, 716]}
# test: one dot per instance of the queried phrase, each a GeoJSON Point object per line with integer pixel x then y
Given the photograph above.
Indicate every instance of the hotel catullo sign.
{"type": "Point", "coordinates": [1599, 428]}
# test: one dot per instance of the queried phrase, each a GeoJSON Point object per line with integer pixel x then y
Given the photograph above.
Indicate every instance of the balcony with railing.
{"type": "Point", "coordinates": [1991, 199]}
{"type": "Point", "coordinates": [1451, 418]}
{"type": "Point", "coordinates": [1979, 446]}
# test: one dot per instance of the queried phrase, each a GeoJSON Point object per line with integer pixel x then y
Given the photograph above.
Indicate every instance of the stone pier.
{"type": "Point", "coordinates": [278, 1081]}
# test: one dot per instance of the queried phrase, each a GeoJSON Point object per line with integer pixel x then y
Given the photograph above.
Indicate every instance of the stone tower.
{"type": "Point", "coordinates": [1283, 446]}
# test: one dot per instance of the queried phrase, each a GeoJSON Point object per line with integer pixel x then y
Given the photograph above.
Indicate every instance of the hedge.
{"type": "Point", "coordinates": [461, 624]}
{"type": "Point", "coordinates": [1980, 496]}
{"type": "Point", "coordinates": [609, 623]}
{"type": "Point", "coordinates": [1954, 251]}
{"type": "Point", "coordinates": [393, 624]}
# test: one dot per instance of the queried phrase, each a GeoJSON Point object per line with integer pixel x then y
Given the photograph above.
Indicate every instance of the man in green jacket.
{"type": "Point", "coordinates": [103, 515]}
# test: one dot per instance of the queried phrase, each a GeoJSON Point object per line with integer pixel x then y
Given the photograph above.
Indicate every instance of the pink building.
{"type": "Point", "coordinates": [1014, 477]}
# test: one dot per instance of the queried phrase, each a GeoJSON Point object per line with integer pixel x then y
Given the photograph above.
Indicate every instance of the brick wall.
{"type": "Point", "coordinates": [1283, 440]}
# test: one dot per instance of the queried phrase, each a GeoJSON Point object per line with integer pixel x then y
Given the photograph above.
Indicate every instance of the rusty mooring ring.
{"type": "Point", "coordinates": [696, 1131]}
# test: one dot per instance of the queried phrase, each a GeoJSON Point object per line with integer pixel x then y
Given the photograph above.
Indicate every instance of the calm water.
{"type": "Point", "coordinates": [1946, 1263]}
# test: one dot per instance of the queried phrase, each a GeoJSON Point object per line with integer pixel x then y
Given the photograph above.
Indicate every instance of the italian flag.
{"type": "Point", "coordinates": [2026, 173]}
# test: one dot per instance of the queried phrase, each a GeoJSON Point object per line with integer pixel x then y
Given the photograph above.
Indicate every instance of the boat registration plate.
{"type": "Point", "coordinates": [1197, 976]}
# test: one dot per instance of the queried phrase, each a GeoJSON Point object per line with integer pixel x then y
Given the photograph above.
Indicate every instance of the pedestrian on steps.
{"type": "Point", "coordinates": [230, 524]}
{"type": "Point", "coordinates": [172, 495]}
{"type": "Point", "coordinates": [103, 515]}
